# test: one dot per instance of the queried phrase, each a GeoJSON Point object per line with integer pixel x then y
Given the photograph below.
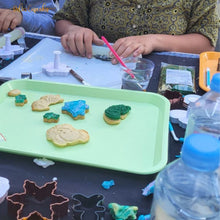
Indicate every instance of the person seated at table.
{"type": "Point", "coordinates": [61, 3]}
{"type": "Point", "coordinates": [33, 15]}
{"type": "Point", "coordinates": [138, 27]}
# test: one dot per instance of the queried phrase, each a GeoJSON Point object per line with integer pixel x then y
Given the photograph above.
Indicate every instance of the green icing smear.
{"type": "Point", "coordinates": [120, 212]}
{"type": "Point", "coordinates": [20, 98]}
{"type": "Point", "coordinates": [115, 111]}
{"type": "Point", "coordinates": [51, 115]}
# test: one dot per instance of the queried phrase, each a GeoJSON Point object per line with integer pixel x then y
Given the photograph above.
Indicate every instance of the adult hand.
{"type": "Point", "coordinates": [133, 46]}
{"type": "Point", "coordinates": [78, 40]}
{"type": "Point", "coordinates": [9, 19]}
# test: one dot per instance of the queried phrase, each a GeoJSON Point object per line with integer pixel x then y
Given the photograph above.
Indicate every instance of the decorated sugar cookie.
{"type": "Point", "coordinates": [51, 117]}
{"type": "Point", "coordinates": [76, 109]}
{"type": "Point", "coordinates": [20, 100]}
{"type": "Point", "coordinates": [115, 113]}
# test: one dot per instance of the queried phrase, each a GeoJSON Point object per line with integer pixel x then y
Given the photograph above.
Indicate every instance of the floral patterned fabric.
{"type": "Point", "coordinates": [120, 18]}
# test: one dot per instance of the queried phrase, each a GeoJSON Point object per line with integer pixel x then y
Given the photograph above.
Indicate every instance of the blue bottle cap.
{"type": "Point", "coordinates": [215, 83]}
{"type": "Point", "coordinates": [201, 152]}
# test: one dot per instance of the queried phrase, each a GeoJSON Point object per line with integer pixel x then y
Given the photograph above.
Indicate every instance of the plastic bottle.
{"type": "Point", "coordinates": [187, 189]}
{"type": "Point", "coordinates": [204, 114]}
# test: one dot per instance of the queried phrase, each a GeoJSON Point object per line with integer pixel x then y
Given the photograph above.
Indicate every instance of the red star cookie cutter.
{"type": "Point", "coordinates": [31, 204]}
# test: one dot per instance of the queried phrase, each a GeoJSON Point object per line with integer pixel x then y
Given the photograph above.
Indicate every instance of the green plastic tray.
{"type": "Point", "coordinates": [139, 144]}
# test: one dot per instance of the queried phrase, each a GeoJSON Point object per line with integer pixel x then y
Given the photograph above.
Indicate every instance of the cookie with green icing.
{"type": "Point", "coordinates": [51, 117]}
{"type": "Point", "coordinates": [115, 113]}
{"type": "Point", "coordinates": [20, 100]}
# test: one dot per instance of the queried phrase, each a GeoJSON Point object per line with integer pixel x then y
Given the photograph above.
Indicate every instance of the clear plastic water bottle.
{"type": "Point", "coordinates": [188, 188]}
{"type": "Point", "coordinates": [204, 114]}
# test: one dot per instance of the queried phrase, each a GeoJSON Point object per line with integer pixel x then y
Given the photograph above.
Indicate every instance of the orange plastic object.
{"type": "Point", "coordinates": [207, 60]}
{"type": "Point", "coordinates": [27, 205]}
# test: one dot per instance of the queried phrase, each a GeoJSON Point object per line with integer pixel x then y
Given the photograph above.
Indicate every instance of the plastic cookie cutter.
{"type": "Point", "coordinates": [4, 187]}
{"type": "Point", "coordinates": [31, 203]}
{"type": "Point", "coordinates": [191, 98]}
{"type": "Point", "coordinates": [56, 68]}
{"type": "Point", "coordinates": [88, 207]}
{"type": "Point", "coordinates": [179, 116]}
{"type": "Point", "coordinates": [8, 51]}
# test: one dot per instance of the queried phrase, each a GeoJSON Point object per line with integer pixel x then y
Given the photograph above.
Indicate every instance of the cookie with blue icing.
{"type": "Point", "coordinates": [76, 109]}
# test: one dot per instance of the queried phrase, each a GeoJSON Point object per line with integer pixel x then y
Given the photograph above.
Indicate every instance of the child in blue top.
{"type": "Point", "coordinates": [33, 15]}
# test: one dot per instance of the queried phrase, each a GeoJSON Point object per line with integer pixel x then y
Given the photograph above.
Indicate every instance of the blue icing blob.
{"type": "Point", "coordinates": [75, 108]}
{"type": "Point", "coordinates": [108, 184]}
